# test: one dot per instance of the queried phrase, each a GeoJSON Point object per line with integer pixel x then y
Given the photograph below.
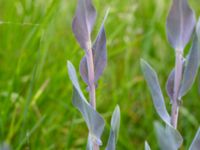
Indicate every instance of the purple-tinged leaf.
{"type": "Point", "coordinates": [180, 24]}
{"type": "Point", "coordinates": [115, 123]}
{"type": "Point", "coordinates": [198, 36]}
{"type": "Point", "coordinates": [90, 144]}
{"type": "Point", "coordinates": [83, 69]}
{"type": "Point", "coordinates": [174, 135]}
{"type": "Point", "coordinates": [94, 121]}
{"type": "Point", "coordinates": [99, 51]}
{"type": "Point", "coordinates": [99, 56]}
{"type": "Point", "coordinates": [198, 29]}
{"type": "Point", "coordinates": [168, 137]}
{"type": "Point", "coordinates": [83, 23]}
{"type": "Point", "coordinates": [191, 68]}
{"type": "Point", "coordinates": [196, 142]}
{"type": "Point", "coordinates": [156, 93]}
{"type": "Point", "coordinates": [170, 85]}
{"type": "Point", "coordinates": [147, 147]}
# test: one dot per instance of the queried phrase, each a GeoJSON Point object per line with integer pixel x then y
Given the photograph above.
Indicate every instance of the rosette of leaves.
{"type": "Point", "coordinates": [91, 68]}
{"type": "Point", "coordinates": [180, 28]}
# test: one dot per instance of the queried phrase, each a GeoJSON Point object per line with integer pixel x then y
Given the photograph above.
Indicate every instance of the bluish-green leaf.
{"type": "Point", "coordinates": [196, 142]}
{"type": "Point", "coordinates": [5, 146]}
{"type": "Point", "coordinates": [94, 121]}
{"type": "Point", "coordinates": [198, 35]}
{"type": "Point", "coordinates": [191, 68]}
{"type": "Point", "coordinates": [83, 23]}
{"type": "Point", "coordinates": [99, 55]}
{"type": "Point", "coordinates": [180, 24]}
{"type": "Point", "coordinates": [115, 123]}
{"type": "Point", "coordinates": [91, 140]}
{"type": "Point", "coordinates": [198, 29]}
{"type": "Point", "coordinates": [170, 85]}
{"type": "Point", "coordinates": [168, 137]}
{"type": "Point", "coordinates": [156, 93]}
{"type": "Point", "coordinates": [83, 69]}
{"type": "Point", "coordinates": [147, 147]}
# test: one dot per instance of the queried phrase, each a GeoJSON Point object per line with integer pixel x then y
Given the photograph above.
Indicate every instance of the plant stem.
{"type": "Point", "coordinates": [96, 146]}
{"type": "Point", "coordinates": [91, 83]}
{"type": "Point", "coordinates": [177, 82]}
{"type": "Point", "coordinates": [174, 115]}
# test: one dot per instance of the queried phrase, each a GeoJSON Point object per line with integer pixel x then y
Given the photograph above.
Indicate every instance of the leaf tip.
{"type": "Point", "coordinates": [198, 28]}
{"type": "Point", "coordinates": [142, 62]}
{"type": "Point", "coordinates": [69, 64]}
{"type": "Point", "coordinates": [117, 109]}
{"type": "Point", "coordinates": [147, 147]}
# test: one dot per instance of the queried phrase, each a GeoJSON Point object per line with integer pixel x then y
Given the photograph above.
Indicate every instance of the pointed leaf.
{"type": "Point", "coordinates": [170, 85]}
{"type": "Point", "coordinates": [115, 123]}
{"type": "Point", "coordinates": [83, 69]}
{"type": "Point", "coordinates": [156, 93]}
{"type": "Point", "coordinates": [94, 121]}
{"type": "Point", "coordinates": [170, 82]}
{"type": "Point", "coordinates": [83, 23]}
{"type": "Point", "coordinates": [175, 136]}
{"type": "Point", "coordinates": [99, 55]}
{"type": "Point", "coordinates": [198, 29]}
{"type": "Point", "coordinates": [147, 147]}
{"type": "Point", "coordinates": [99, 51]}
{"type": "Point", "coordinates": [198, 36]}
{"type": "Point", "coordinates": [163, 140]}
{"type": "Point", "coordinates": [196, 142]}
{"type": "Point", "coordinates": [191, 68]}
{"type": "Point", "coordinates": [168, 137]}
{"type": "Point", "coordinates": [180, 24]}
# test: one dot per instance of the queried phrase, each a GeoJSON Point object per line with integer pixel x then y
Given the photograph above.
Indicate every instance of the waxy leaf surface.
{"type": "Point", "coordinates": [115, 123]}
{"type": "Point", "coordinates": [99, 56]}
{"type": "Point", "coordinates": [94, 121]}
{"type": "Point", "coordinates": [170, 85]}
{"type": "Point", "coordinates": [168, 137]}
{"type": "Point", "coordinates": [180, 24]}
{"type": "Point", "coordinates": [190, 69]}
{"type": "Point", "coordinates": [147, 147]}
{"type": "Point", "coordinates": [83, 23]}
{"type": "Point", "coordinates": [196, 142]}
{"type": "Point", "coordinates": [156, 93]}
{"type": "Point", "coordinates": [198, 36]}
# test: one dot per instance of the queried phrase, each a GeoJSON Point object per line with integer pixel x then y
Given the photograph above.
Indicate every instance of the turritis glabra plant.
{"type": "Point", "coordinates": [181, 27]}
{"type": "Point", "coordinates": [91, 68]}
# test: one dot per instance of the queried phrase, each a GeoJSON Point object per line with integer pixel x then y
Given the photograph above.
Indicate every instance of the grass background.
{"type": "Point", "coordinates": [36, 40]}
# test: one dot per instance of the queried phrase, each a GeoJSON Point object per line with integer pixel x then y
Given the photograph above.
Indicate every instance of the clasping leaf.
{"type": "Point", "coordinates": [94, 121]}
{"type": "Point", "coordinates": [170, 85]}
{"type": "Point", "coordinates": [99, 55]}
{"type": "Point", "coordinates": [156, 93]}
{"type": "Point", "coordinates": [191, 68]}
{"type": "Point", "coordinates": [83, 23]}
{"type": "Point", "coordinates": [180, 24]}
{"type": "Point", "coordinates": [115, 123]}
{"type": "Point", "coordinates": [168, 137]}
{"type": "Point", "coordinates": [196, 142]}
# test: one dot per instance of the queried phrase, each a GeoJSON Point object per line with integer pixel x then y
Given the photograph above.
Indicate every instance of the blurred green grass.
{"type": "Point", "coordinates": [36, 40]}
